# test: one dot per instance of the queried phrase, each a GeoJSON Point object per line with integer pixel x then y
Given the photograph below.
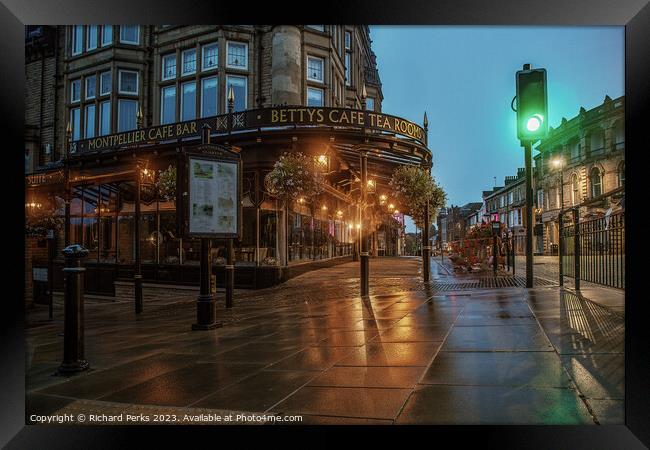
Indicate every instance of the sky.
{"type": "Point", "coordinates": [464, 78]}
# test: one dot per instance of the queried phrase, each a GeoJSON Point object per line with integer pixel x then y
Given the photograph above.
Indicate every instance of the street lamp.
{"type": "Point", "coordinates": [558, 163]}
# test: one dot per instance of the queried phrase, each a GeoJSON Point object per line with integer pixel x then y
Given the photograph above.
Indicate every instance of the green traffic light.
{"type": "Point", "coordinates": [534, 122]}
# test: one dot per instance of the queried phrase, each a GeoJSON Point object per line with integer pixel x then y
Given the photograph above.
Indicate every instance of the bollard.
{"type": "Point", "coordinates": [73, 336]}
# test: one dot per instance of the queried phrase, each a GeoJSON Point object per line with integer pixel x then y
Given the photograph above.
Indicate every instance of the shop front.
{"type": "Point", "coordinates": [123, 194]}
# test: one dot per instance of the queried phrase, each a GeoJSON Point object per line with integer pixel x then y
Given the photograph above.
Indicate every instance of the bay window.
{"type": "Point", "coordinates": [128, 82]}
{"type": "Point", "coordinates": [209, 96]}
{"type": "Point", "coordinates": [104, 118]}
{"type": "Point", "coordinates": [126, 115]}
{"type": "Point", "coordinates": [130, 34]}
{"type": "Point", "coordinates": [239, 86]}
{"type": "Point", "coordinates": [188, 101]}
{"type": "Point", "coordinates": [210, 56]}
{"type": "Point", "coordinates": [189, 62]}
{"type": "Point", "coordinates": [169, 66]}
{"type": "Point", "coordinates": [89, 121]}
{"type": "Point", "coordinates": [168, 105]}
{"type": "Point", "coordinates": [237, 55]}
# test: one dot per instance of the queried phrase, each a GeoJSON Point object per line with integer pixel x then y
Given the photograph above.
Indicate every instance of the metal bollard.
{"type": "Point", "coordinates": [73, 337]}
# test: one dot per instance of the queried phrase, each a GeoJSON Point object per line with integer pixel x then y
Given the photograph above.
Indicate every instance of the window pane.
{"type": "Point", "coordinates": [90, 121]}
{"type": "Point", "coordinates": [75, 121]}
{"type": "Point", "coordinates": [314, 97]}
{"type": "Point", "coordinates": [77, 39]}
{"type": "Point", "coordinates": [90, 86]}
{"type": "Point", "coordinates": [93, 31]}
{"type": "Point", "coordinates": [105, 81]}
{"type": "Point", "coordinates": [104, 118]}
{"type": "Point", "coordinates": [188, 101]}
{"type": "Point", "coordinates": [237, 55]}
{"type": "Point", "coordinates": [317, 27]}
{"type": "Point", "coordinates": [239, 89]}
{"type": "Point", "coordinates": [128, 82]}
{"type": "Point", "coordinates": [189, 61]}
{"type": "Point", "coordinates": [348, 40]}
{"type": "Point", "coordinates": [168, 105]}
{"type": "Point", "coordinates": [107, 35]}
{"type": "Point", "coordinates": [347, 70]}
{"type": "Point", "coordinates": [210, 56]}
{"type": "Point", "coordinates": [75, 90]}
{"type": "Point", "coordinates": [209, 97]}
{"type": "Point", "coordinates": [370, 103]}
{"type": "Point", "coordinates": [169, 67]}
{"type": "Point", "coordinates": [126, 120]}
{"type": "Point", "coordinates": [315, 69]}
{"type": "Point", "coordinates": [129, 34]}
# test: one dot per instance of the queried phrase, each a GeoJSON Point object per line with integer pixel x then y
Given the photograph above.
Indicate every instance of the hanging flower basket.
{"type": "Point", "coordinates": [294, 175]}
{"type": "Point", "coordinates": [166, 183]}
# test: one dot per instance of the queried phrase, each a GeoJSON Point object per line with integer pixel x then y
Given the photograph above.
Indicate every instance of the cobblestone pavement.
{"type": "Point", "coordinates": [312, 347]}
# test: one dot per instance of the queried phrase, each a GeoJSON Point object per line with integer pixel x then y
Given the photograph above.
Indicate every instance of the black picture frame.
{"type": "Point", "coordinates": [633, 14]}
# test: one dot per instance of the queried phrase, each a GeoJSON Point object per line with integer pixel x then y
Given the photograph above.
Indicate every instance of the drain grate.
{"type": "Point", "coordinates": [485, 283]}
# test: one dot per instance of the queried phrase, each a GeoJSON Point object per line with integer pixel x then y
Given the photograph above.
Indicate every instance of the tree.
{"type": "Point", "coordinates": [413, 186]}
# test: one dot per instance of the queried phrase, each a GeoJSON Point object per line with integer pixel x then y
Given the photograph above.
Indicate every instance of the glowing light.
{"type": "Point", "coordinates": [534, 123]}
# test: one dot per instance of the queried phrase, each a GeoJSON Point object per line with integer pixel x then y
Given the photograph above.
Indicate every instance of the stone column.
{"type": "Point", "coordinates": [286, 66]}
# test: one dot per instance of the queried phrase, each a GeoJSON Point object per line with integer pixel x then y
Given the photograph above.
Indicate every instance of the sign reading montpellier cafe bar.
{"type": "Point", "coordinates": [255, 119]}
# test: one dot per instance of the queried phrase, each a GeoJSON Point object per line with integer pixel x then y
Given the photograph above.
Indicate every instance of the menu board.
{"type": "Point", "coordinates": [213, 197]}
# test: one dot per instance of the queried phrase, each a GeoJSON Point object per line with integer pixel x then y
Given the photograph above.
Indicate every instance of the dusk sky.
{"type": "Point", "coordinates": [464, 77]}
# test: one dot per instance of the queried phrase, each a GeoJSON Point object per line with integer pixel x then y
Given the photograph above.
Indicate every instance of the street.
{"type": "Point", "coordinates": [438, 353]}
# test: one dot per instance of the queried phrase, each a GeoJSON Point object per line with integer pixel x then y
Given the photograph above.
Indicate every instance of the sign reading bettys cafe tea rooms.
{"type": "Point", "coordinates": [255, 119]}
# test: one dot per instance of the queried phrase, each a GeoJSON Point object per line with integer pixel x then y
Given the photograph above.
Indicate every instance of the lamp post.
{"type": "Point", "coordinates": [230, 265]}
{"type": "Point", "coordinates": [558, 163]}
{"type": "Point", "coordinates": [364, 257]}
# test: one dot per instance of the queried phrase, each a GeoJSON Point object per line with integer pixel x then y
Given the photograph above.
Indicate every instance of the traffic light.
{"type": "Point", "coordinates": [532, 110]}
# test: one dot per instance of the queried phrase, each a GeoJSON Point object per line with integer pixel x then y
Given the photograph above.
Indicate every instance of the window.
{"type": "Point", "coordinates": [370, 103]}
{"type": "Point", "coordinates": [104, 118]}
{"type": "Point", "coordinates": [169, 66]}
{"type": "Point", "coordinates": [107, 35]}
{"type": "Point", "coordinates": [317, 27]}
{"type": "Point", "coordinates": [189, 61]}
{"type": "Point", "coordinates": [596, 182]}
{"type": "Point", "coordinates": [168, 105]}
{"type": "Point", "coordinates": [575, 149]}
{"type": "Point", "coordinates": [75, 90]}
{"type": "Point", "coordinates": [348, 40]}
{"type": "Point", "coordinates": [126, 115]}
{"type": "Point", "coordinates": [105, 83]}
{"type": "Point", "coordinates": [188, 101]}
{"type": "Point", "coordinates": [210, 56]}
{"type": "Point", "coordinates": [348, 72]}
{"type": "Point", "coordinates": [128, 82]}
{"type": "Point", "coordinates": [91, 83]}
{"type": "Point", "coordinates": [130, 34]}
{"type": "Point", "coordinates": [621, 174]}
{"type": "Point", "coordinates": [575, 189]}
{"type": "Point", "coordinates": [90, 121]}
{"type": "Point", "coordinates": [75, 122]}
{"type": "Point", "coordinates": [77, 39]}
{"type": "Point", "coordinates": [236, 53]}
{"type": "Point", "coordinates": [209, 96]}
{"type": "Point", "coordinates": [93, 35]}
{"type": "Point", "coordinates": [540, 198]}
{"type": "Point", "coordinates": [314, 97]}
{"type": "Point", "coordinates": [239, 86]}
{"type": "Point", "coordinates": [315, 68]}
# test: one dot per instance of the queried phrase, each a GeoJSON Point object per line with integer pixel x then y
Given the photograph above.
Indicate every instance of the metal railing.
{"type": "Point", "coordinates": [599, 250]}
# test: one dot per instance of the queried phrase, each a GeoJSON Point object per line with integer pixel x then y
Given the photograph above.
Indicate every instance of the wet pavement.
{"type": "Point", "coordinates": [407, 354]}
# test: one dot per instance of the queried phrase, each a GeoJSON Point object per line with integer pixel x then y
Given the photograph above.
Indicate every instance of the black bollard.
{"type": "Point", "coordinates": [73, 336]}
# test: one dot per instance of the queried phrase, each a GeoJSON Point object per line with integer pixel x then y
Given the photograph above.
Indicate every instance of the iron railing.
{"type": "Point", "coordinates": [600, 251]}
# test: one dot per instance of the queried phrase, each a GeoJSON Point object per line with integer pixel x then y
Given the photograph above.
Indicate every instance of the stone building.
{"type": "Point", "coordinates": [95, 92]}
{"type": "Point", "coordinates": [591, 148]}
{"type": "Point", "coordinates": [507, 204]}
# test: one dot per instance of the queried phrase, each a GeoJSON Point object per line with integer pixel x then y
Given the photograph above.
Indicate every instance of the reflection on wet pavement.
{"type": "Point", "coordinates": [405, 354]}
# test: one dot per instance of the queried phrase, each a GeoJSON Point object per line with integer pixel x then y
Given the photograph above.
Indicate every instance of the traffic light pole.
{"type": "Point", "coordinates": [529, 214]}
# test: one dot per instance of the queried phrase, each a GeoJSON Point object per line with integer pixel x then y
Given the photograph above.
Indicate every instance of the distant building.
{"type": "Point", "coordinates": [592, 148]}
